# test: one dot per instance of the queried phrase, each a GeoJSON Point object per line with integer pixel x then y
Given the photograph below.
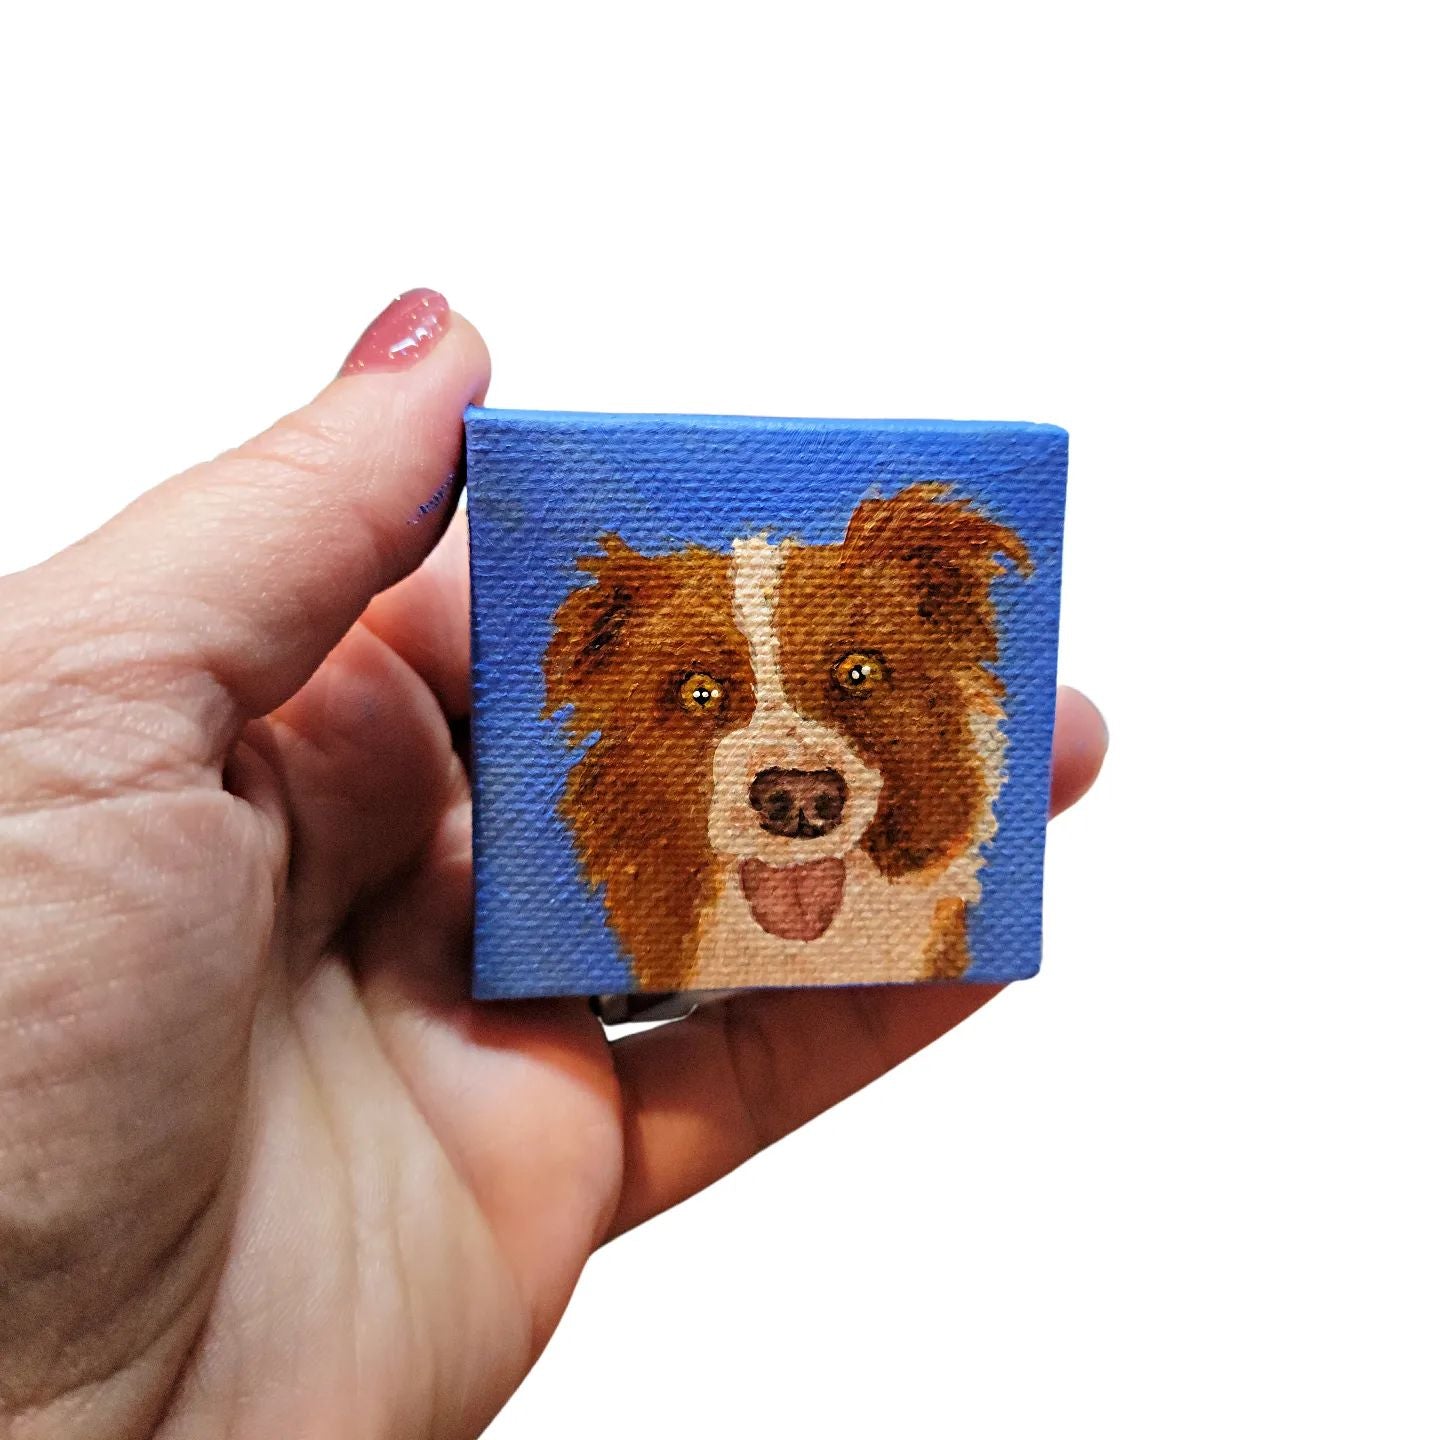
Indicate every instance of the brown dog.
{"type": "Point", "coordinates": [797, 747]}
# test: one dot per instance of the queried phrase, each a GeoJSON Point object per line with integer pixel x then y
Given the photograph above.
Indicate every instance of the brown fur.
{"type": "Point", "coordinates": [911, 584]}
{"type": "Point", "coordinates": [947, 956]}
{"type": "Point", "coordinates": [639, 799]}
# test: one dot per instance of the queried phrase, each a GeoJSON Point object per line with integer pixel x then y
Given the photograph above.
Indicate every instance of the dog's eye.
{"type": "Point", "coordinates": [857, 673]}
{"type": "Point", "coordinates": [701, 694]}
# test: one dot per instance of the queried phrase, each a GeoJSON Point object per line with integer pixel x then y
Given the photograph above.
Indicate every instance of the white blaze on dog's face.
{"type": "Point", "coordinates": [848, 813]}
{"type": "Point", "coordinates": [791, 797]}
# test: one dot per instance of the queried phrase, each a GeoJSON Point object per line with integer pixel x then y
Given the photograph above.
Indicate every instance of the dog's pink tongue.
{"type": "Point", "coordinates": [795, 902]}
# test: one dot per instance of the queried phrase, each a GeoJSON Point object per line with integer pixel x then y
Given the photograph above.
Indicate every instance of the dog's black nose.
{"type": "Point", "coordinates": [798, 803]}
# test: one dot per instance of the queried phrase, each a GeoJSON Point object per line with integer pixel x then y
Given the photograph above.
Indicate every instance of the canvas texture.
{"type": "Point", "coordinates": [759, 702]}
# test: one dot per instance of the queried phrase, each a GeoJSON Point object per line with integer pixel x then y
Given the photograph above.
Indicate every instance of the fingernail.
{"type": "Point", "coordinates": [401, 335]}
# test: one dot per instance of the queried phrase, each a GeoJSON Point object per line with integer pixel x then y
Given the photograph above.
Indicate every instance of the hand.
{"type": "Point", "coordinates": [264, 1168]}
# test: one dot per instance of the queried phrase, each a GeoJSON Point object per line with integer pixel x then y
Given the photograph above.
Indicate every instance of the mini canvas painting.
{"type": "Point", "coordinates": [759, 702]}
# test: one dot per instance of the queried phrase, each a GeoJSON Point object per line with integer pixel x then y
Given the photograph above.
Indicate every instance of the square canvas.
{"type": "Point", "coordinates": [759, 701]}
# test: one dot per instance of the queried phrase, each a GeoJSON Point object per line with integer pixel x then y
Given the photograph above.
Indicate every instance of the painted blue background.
{"type": "Point", "coordinates": [543, 486]}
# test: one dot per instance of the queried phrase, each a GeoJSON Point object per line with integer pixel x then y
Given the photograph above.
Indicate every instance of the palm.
{"type": "Point", "coordinates": [427, 1180]}
{"type": "Point", "coordinates": [436, 1172]}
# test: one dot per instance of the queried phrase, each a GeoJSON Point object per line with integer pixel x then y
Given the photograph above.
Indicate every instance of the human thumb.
{"type": "Point", "coordinates": [219, 592]}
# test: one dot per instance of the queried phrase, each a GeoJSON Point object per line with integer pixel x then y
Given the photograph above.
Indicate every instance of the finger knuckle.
{"type": "Point", "coordinates": [306, 443]}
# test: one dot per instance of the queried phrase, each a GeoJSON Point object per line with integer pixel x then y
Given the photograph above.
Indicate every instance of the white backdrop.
{"type": "Point", "coordinates": [1184, 1183]}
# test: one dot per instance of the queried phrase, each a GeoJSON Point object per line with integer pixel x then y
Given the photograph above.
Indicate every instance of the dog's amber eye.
{"type": "Point", "coordinates": [857, 673]}
{"type": "Point", "coordinates": [701, 694]}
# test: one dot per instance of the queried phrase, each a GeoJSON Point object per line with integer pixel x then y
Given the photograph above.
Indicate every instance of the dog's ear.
{"type": "Point", "coordinates": [949, 551]}
{"type": "Point", "coordinates": [590, 621]}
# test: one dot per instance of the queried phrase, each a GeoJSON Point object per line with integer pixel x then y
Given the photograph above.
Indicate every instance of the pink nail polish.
{"type": "Point", "coordinates": [402, 334]}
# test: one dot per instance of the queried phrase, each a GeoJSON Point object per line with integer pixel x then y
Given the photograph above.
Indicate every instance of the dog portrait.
{"type": "Point", "coordinates": [793, 751]}
{"type": "Point", "coordinates": [758, 702]}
